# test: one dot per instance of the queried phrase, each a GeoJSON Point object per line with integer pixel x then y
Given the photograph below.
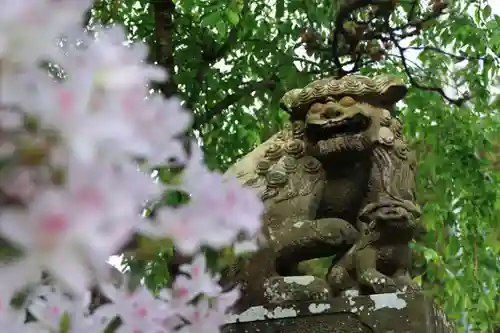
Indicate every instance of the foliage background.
{"type": "Point", "coordinates": [230, 62]}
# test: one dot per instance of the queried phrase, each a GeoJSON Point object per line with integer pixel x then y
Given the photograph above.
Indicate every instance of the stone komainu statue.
{"type": "Point", "coordinates": [338, 180]}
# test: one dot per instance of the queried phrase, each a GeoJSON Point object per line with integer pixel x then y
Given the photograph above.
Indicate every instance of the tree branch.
{"type": "Point", "coordinates": [86, 18]}
{"type": "Point", "coordinates": [163, 46]}
{"type": "Point", "coordinates": [357, 38]}
{"type": "Point", "coordinates": [413, 9]}
{"type": "Point", "coordinates": [208, 59]}
{"type": "Point", "coordinates": [373, 36]}
{"type": "Point", "coordinates": [458, 101]}
{"type": "Point", "coordinates": [211, 56]}
{"type": "Point", "coordinates": [437, 50]}
{"type": "Point", "coordinates": [339, 30]}
{"type": "Point", "coordinates": [233, 98]}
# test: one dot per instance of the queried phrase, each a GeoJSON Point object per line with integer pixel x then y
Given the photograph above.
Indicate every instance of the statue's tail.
{"type": "Point", "coordinates": [315, 239]}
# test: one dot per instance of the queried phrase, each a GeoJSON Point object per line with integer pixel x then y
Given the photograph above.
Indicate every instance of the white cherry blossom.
{"type": "Point", "coordinates": [57, 238]}
{"type": "Point", "coordinates": [29, 28]}
{"type": "Point", "coordinates": [51, 305]}
{"type": "Point", "coordinates": [199, 276]}
{"type": "Point", "coordinates": [139, 310]}
{"type": "Point", "coordinates": [202, 318]}
{"type": "Point", "coordinates": [114, 63]}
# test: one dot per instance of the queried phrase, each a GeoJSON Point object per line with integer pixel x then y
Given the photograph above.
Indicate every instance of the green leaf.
{"type": "Point", "coordinates": [221, 27]}
{"type": "Point", "coordinates": [280, 9]}
{"type": "Point", "coordinates": [491, 25]}
{"type": "Point", "coordinates": [188, 4]}
{"type": "Point", "coordinates": [65, 323]}
{"type": "Point", "coordinates": [211, 19]}
{"type": "Point", "coordinates": [430, 255]}
{"type": "Point", "coordinates": [486, 12]}
{"type": "Point", "coordinates": [232, 16]}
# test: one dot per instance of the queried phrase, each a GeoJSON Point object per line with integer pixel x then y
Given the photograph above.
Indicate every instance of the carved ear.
{"type": "Point", "coordinates": [288, 100]}
{"type": "Point", "coordinates": [393, 94]}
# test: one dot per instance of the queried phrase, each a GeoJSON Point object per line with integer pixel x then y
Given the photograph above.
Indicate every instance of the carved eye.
{"type": "Point", "coordinates": [316, 108]}
{"type": "Point", "coordinates": [347, 101]}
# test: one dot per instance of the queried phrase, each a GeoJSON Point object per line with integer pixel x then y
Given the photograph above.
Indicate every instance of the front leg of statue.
{"type": "Point", "coordinates": [402, 275]}
{"type": "Point", "coordinates": [367, 273]}
{"type": "Point", "coordinates": [304, 240]}
{"type": "Point", "coordinates": [311, 239]}
{"type": "Point", "coordinates": [340, 281]}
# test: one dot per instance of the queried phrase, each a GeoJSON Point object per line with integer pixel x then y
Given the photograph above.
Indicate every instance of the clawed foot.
{"type": "Point", "coordinates": [339, 280]}
{"type": "Point", "coordinates": [404, 282]}
{"type": "Point", "coordinates": [295, 288]}
{"type": "Point", "coordinates": [378, 282]}
{"type": "Point", "coordinates": [410, 288]}
{"type": "Point", "coordinates": [407, 285]}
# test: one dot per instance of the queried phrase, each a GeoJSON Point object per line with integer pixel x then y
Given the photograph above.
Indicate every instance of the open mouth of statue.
{"type": "Point", "coordinates": [331, 128]}
{"type": "Point", "coordinates": [353, 125]}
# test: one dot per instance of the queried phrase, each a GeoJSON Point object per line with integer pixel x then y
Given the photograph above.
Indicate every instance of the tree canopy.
{"type": "Point", "coordinates": [231, 61]}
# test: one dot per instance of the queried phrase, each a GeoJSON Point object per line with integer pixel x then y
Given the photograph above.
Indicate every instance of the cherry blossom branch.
{"type": "Point", "coordinates": [71, 187]}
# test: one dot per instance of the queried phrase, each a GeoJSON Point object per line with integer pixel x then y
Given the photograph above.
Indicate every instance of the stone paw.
{"type": "Point", "coordinates": [380, 283]}
{"type": "Point", "coordinates": [339, 280]}
{"type": "Point", "coordinates": [384, 286]}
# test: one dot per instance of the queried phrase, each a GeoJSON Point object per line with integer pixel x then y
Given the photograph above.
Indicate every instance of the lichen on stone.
{"type": "Point", "coordinates": [318, 308]}
{"type": "Point", "coordinates": [302, 280]}
{"type": "Point", "coordinates": [391, 300]}
{"type": "Point", "coordinates": [252, 314]}
{"type": "Point", "coordinates": [280, 312]}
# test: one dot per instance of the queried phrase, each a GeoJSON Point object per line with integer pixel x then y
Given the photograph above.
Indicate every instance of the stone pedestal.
{"type": "Point", "coordinates": [383, 313]}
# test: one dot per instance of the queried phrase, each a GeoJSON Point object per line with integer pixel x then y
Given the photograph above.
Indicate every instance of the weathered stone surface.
{"type": "Point", "coordinates": [380, 313]}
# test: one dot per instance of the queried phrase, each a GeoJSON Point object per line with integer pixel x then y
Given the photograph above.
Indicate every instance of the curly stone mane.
{"type": "Point", "coordinates": [387, 89]}
{"type": "Point", "coordinates": [283, 158]}
{"type": "Point", "coordinates": [395, 162]}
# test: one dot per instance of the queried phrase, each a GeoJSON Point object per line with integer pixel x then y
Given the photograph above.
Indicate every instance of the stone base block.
{"type": "Point", "coordinates": [382, 313]}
